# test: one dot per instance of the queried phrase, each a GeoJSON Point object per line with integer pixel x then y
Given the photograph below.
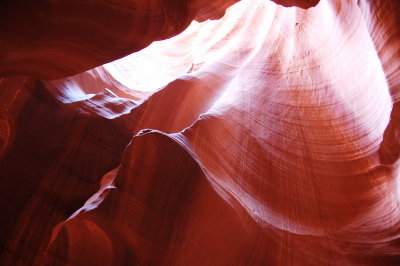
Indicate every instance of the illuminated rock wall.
{"type": "Point", "coordinates": [272, 138]}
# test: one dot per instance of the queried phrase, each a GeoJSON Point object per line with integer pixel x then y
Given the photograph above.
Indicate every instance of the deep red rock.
{"type": "Point", "coordinates": [274, 141]}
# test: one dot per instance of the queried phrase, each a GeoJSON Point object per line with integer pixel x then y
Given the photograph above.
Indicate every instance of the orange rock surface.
{"type": "Point", "coordinates": [269, 135]}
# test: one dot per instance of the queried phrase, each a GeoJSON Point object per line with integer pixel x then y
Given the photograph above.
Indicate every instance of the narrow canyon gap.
{"type": "Point", "coordinates": [199, 132]}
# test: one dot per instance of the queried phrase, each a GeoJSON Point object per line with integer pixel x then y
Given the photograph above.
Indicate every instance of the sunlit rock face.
{"type": "Point", "coordinates": [267, 137]}
{"type": "Point", "coordinates": [85, 34]}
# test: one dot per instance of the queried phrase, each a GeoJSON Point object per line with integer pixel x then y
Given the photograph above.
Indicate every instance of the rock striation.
{"type": "Point", "coordinates": [275, 139]}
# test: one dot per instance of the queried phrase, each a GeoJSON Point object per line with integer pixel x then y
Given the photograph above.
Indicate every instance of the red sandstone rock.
{"type": "Point", "coordinates": [276, 142]}
{"type": "Point", "coordinates": [38, 36]}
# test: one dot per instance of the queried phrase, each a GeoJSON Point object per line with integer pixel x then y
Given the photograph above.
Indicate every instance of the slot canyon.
{"type": "Point", "coordinates": [200, 132]}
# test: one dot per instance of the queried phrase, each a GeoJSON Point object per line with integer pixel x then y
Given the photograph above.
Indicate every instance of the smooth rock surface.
{"type": "Point", "coordinates": [275, 139]}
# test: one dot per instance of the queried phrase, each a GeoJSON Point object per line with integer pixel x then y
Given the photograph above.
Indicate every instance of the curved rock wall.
{"type": "Point", "coordinates": [276, 141]}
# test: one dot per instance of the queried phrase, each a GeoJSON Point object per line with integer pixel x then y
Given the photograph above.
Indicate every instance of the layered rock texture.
{"type": "Point", "coordinates": [249, 132]}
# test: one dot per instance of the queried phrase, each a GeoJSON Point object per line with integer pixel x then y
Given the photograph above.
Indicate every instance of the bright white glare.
{"type": "Point", "coordinates": [164, 61]}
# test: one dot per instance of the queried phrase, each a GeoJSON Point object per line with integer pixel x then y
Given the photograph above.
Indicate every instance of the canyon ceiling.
{"type": "Point", "coordinates": [200, 132]}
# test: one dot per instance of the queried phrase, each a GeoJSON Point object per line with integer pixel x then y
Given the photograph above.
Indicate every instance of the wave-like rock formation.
{"type": "Point", "coordinates": [269, 135]}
